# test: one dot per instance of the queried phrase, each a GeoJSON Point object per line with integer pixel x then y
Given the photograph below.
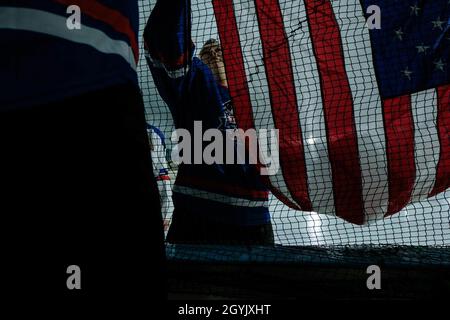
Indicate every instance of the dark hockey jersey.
{"type": "Point", "coordinates": [226, 193]}
{"type": "Point", "coordinates": [53, 49]}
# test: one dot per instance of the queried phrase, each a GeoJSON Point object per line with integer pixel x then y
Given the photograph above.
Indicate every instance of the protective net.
{"type": "Point", "coordinates": [308, 39]}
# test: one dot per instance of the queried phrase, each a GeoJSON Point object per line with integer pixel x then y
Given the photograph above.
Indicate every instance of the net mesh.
{"type": "Point", "coordinates": [423, 223]}
{"type": "Point", "coordinates": [315, 255]}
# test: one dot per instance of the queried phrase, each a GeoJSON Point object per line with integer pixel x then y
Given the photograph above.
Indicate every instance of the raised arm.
{"type": "Point", "coordinates": [167, 36]}
{"type": "Point", "coordinates": [185, 83]}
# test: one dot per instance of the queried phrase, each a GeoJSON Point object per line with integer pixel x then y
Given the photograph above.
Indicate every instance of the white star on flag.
{"type": "Point", "coordinates": [415, 10]}
{"type": "Point", "coordinates": [422, 48]}
{"type": "Point", "coordinates": [399, 33]}
{"type": "Point", "coordinates": [438, 23]}
{"type": "Point", "coordinates": [439, 65]}
{"type": "Point", "coordinates": [407, 73]}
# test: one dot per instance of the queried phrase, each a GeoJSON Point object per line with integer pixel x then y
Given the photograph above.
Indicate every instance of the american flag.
{"type": "Point", "coordinates": [363, 115]}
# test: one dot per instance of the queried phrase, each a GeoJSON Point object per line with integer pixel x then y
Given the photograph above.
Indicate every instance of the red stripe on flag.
{"type": "Point", "coordinates": [338, 111]}
{"type": "Point", "coordinates": [237, 80]}
{"type": "Point", "coordinates": [111, 17]}
{"type": "Point", "coordinates": [399, 130]}
{"type": "Point", "coordinates": [234, 62]}
{"type": "Point", "coordinates": [277, 61]}
{"type": "Point", "coordinates": [443, 123]}
{"type": "Point", "coordinates": [163, 178]}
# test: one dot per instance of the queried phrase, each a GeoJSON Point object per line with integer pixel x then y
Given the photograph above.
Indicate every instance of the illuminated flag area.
{"type": "Point", "coordinates": [363, 113]}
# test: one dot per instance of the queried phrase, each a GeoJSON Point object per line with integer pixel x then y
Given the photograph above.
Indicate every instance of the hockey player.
{"type": "Point", "coordinates": [76, 195]}
{"type": "Point", "coordinates": [213, 203]}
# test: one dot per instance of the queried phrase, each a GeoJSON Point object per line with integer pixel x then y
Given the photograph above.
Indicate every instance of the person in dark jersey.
{"type": "Point", "coordinates": [76, 182]}
{"type": "Point", "coordinates": [213, 203]}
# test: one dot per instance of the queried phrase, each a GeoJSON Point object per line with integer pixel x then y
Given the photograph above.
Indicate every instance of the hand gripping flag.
{"type": "Point", "coordinates": [363, 114]}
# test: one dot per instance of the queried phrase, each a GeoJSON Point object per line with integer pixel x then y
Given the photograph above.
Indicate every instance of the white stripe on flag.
{"type": "Point", "coordinates": [252, 52]}
{"type": "Point", "coordinates": [238, 202]}
{"type": "Point", "coordinates": [52, 24]}
{"type": "Point", "coordinates": [368, 112]}
{"type": "Point", "coordinates": [426, 139]}
{"type": "Point", "coordinates": [309, 98]}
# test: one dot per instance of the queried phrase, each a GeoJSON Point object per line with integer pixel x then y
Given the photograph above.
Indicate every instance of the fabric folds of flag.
{"type": "Point", "coordinates": [363, 114]}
